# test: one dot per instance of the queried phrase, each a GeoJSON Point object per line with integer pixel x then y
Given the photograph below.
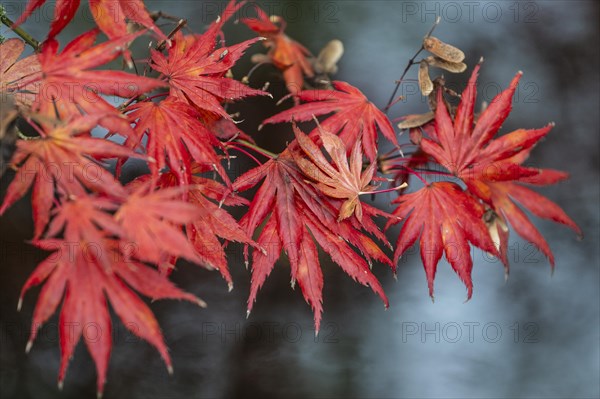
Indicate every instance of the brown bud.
{"type": "Point", "coordinates": [454, 67]}
{"type": "Point", "coordinates": [329, 56]}
{"type": "Point", "coordinates": [425, 83]}
{"type": "Point", "coordinates": [259, 58]}
{"type": "Point", "coordinates": [443, 50]}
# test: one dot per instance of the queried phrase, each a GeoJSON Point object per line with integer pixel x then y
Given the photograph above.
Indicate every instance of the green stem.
{"type": "Point", "coordinates": [256, 148]}
{"type": "Point", "coordinates": [19, 31]}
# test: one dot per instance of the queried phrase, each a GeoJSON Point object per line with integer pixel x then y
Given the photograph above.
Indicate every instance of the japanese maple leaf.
{"type": "Point", "coordinates": [504, 196]}
{"type": "Point", "coordinates": [466, 149]}
{"type": "Point", "coordinates": [153, 221]}
{"type": "Point", "coordinates": [110, 15]}
{"type": "Point", "coordinates": [491, 168]}
{"type": "Point", "coordinates": [285, 53]}
{"type": "Point", "coordinates": [214, 221]}
{"type": "Point", "coordinates": [296, 216]}
{"type": "Point", "coordinates": [447, 219]}
{"type": "Point", "coordinates": [175, 137]}
{"type": "Point", "coordinates": [195, 68]}
{"type": "Point", "coordinates": [85, 268]}
{"type": "Point", "coordinates": [13, 73]}
{"type": "Point", "coordinates": [354, 118]}
{"type": "Point", "coordinates": [346, 180]}
{"type": "Point", "coordinates": [69, 87]}
{"type": "Point", "coordinates": [60, 159]}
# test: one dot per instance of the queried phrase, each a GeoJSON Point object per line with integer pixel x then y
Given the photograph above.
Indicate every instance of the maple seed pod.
{"type": "Point", "coordinates": [443, 50]}
{"type": "Point", "coordinates": [329, 57]}
{"type": "Point", "coordinates": [425, 83]}
{"type": "Point", "coordinates": [413, 121]}
{"type": "Point", "coordinates": [454, 67]}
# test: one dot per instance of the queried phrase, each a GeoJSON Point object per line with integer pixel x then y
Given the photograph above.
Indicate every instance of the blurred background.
{"type": "Point", "coordinates": [537, 335]}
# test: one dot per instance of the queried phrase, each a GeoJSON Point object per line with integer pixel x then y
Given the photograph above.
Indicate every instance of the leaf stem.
{"type": "Point", "coordinates": [243, 151]}
{"type": "Point", "coordinates": [418, 175]}
{"type": "Point", "coordinates": [161, 45]}
{"type": "Point", "coordinates": [256, 148]}
{"type": "Point", "coordinates": [387, 190]}
{"type": "Point", "coordinates": [19, 31]}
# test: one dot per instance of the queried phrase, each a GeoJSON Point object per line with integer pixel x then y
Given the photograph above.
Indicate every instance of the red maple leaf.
{"type": "Point", "coordinates": [195, 68]}
{"type": "Point", "coordinates": [87, 267]}
{"type": "Point", "coordinates": [60, 160]}
{"type": "Point", "coordinates": [68, 86]}
{"type": "Point", "coordinates": [491, 168]}
{"type": "Point", "coordinates": [213, 223]}
{"type": "Point", "coordinates": [354, 118]}
{"type": "Point", "coordinates": [110, 15]}
{"type": "Point", "coordinates": [503, 197]}
{"type": "Point", "coordinates": [13, 72]}
{"type": "Point", "coordinates": [152, 220]}
{"type": "Point", "coordinates": [285, 53]}
{"type": "Point", "coordinates": [176, 137]}
{"type": "Point", "coordinates": [296, 216]}
{"type": "Point", "coordinates": [447, 219]}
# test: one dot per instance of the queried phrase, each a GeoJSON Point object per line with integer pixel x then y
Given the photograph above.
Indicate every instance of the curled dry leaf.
{"type": "Point", "coordinates": [345, 179]}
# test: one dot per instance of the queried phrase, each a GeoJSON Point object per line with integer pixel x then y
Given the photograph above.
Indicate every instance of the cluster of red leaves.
{"type": "Point", "coordinates": [294, 212]}
{"type": "Point", "coordinates": [109, 239]}
{"type": "Point", "coordinates": [110, 15]}
{"type": "Point", "coordinates": [493, 170]}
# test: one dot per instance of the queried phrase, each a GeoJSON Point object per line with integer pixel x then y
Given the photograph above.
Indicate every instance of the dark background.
{"type": "Point", "coordinates": [536, 335]}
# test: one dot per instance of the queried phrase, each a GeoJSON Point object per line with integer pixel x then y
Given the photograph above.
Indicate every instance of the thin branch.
{"type": "Point", "coordinates": [19, 31]}
{"type": "Point", "coordinates": [411, 62]}
{"type": "Point", "coordinates": [161, 45]}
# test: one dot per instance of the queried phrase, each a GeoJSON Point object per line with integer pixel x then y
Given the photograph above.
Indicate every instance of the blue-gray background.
{"type": "Point", "coordinates": [537, 335]}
